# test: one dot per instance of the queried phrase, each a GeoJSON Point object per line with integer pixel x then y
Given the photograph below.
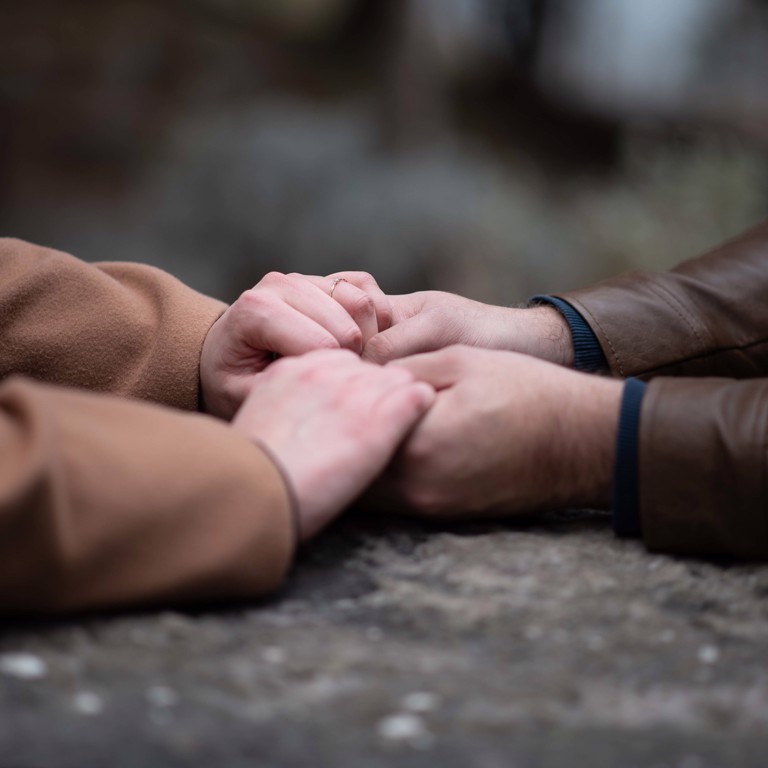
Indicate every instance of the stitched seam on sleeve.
{"type": "Point", "coordinates": [679, 310]}
{"type": "Point", "coordinates": [704, 355]}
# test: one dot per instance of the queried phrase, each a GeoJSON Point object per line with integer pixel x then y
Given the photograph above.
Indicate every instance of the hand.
{"type": "Point", "coordinates": [507, 433]}
{"type": "Point", "coordinates": [286, 315]}
{"type": "Point", "coordinates": [333, 422]}
{"type": "Point", "coordinates": [431, 320]}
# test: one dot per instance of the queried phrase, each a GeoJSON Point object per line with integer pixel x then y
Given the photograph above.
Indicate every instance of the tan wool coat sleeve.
{"type": "Point", "coordinates": [699, 334]}
{"type": "Point", "coordinates": [108, 501]}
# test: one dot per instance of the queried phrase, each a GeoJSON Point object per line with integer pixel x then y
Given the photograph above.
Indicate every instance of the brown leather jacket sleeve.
{"type": "Point", "coordinates": [703, 488]}
{"type": "Point", "coordinates": [706, 317]}
{"type": "Point", "coordinates": [703, 482]}
{"type": "Point", "coordinates": [107, 501]}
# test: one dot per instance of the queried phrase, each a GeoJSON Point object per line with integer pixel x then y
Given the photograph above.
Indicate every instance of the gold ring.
{"type": "Point", "coordinates": [335, 283]}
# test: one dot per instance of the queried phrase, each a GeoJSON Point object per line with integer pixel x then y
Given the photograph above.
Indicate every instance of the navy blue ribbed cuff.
{"type": "Point", "coordinates": [627, 522]}
{"type": "Point", "coordinates": [587, 354]}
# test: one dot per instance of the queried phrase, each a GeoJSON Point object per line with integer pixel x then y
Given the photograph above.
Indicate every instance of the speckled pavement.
{"type": "Point", "coordinates": [535, 643]}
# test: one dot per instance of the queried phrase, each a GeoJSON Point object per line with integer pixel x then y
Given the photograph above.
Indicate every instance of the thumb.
{"type": "Point", "coordinates": [409, 337]}
{"type": "Point", "coordinates": [440, 369]}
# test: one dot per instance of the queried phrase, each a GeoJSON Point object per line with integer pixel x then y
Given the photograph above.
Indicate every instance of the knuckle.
{"type": "Point", "coordinates": [319, 362]}
{"type": "Point", "coordinates": [272, 278]}
{"type": "Point", "coordinates": [379, 348]}
{"type": "Point", "coordinates": [324, 365]}
{"type": "Point", "coordinates": [274, 281]}
{"type": "Point", "coordinates": [352, 338]}
{"type": "Point", "coordinates": [362, 305]}
{"type": "Point", "coordinates": [365, 278]}
{"type": "Point", "coordinates": [354, 275]}
{"type": "Point", "coordinates": [246, 298]}
{"type": "Point", "coordinates": [316, 379]}
{"type": "Point", "coordinates": [296, 277]}
{"type": "Point", "coordinates": [314, 373]}
{"type": "Point", "coordinates": [255, 302]}
{"type": "Point", "coordinates": [326, 343]}
{"type": "Point", "coordinates": [384, 317]}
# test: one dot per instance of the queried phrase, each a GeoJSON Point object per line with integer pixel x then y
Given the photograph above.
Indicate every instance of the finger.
{"type": "Point", "coordinates": [398, 410]}
{"type": "Point", "coordinates": [440, 369]}
{"type": "Point", "coordinates": [316, 304]}
{"type": "Point", "coordinates": [366, 282]}
{"type": "Point", "coordinates": [410, 337]}
{"type": "Point", "coordinates": [406, 305]}
{"type": "Point", "coordinates": [268, 323]}
{"type": "Point", "coordinates": [334, 360]}
{"type": "Point", "coordinates": [358, 304]}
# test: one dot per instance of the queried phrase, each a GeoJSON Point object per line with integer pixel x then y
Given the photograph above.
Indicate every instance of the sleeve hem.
{"type": "Point", "coordinates": [627, 521]}
{"type": "Point", "coordinates": [587, 354]}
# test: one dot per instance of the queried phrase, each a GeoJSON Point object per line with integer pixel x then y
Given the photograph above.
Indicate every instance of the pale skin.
{"type": "Point", "coordinates": [286, 315]}
{"type": "Point", "coordinates": [331, 421]}
{"type": "Point", "coordinates": [505, 433]}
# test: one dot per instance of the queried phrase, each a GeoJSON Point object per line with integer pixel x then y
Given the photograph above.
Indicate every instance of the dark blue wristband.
{"type": "Point", "coordinates": [587, 354]}
{"type": "Point", "coordinates": [627, 522]}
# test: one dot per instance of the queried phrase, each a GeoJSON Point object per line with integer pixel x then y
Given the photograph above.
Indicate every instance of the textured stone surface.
{"type": "Point", "coordinates": [536, 643]}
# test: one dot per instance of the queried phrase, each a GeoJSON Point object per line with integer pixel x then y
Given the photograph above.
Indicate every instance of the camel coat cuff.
{"type": "Point", "coordinates": [127, 329]}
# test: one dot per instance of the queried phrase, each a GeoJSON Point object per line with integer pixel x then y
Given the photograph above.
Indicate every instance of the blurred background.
{"type": "Point", "coordinates": [495, 148]}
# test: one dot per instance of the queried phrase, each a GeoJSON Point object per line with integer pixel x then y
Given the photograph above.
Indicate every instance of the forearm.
{"type": "Point", "coordinates": [106, 502]}
{"type": "Point", "coordinates": [584, 442]}
{"type": "Point", "coordinates": [126, 329]}
{"type": "Point", "coordinates": [543, 332]}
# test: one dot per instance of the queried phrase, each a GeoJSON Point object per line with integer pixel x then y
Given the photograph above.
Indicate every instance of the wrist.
{"type": "Point", "coordinates": [541, 331]}
{"type": "Point", "coordinates": [220, 395]}
{"type": "Point", "coordinates": [290, 488]}
{"type": "Point", "coordinates": [589, 442]}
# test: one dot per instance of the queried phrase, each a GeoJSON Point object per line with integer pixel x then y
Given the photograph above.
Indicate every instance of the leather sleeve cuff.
{"type": "Point", "coordinates": [587, 354]}
{"type": "Point", "coordinates": [627, 522]}
{"type": "Point", "coordinates": [704, 467]}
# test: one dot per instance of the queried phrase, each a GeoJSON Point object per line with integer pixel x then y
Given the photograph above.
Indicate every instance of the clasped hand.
{"type": "Point", "coordinates": [330, 420]}
{"type": "Point", "coordinates": [506, 432]}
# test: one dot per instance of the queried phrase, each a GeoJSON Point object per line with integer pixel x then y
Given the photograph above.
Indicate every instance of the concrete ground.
{"type": "Point", "coordinates": [537, 643]}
